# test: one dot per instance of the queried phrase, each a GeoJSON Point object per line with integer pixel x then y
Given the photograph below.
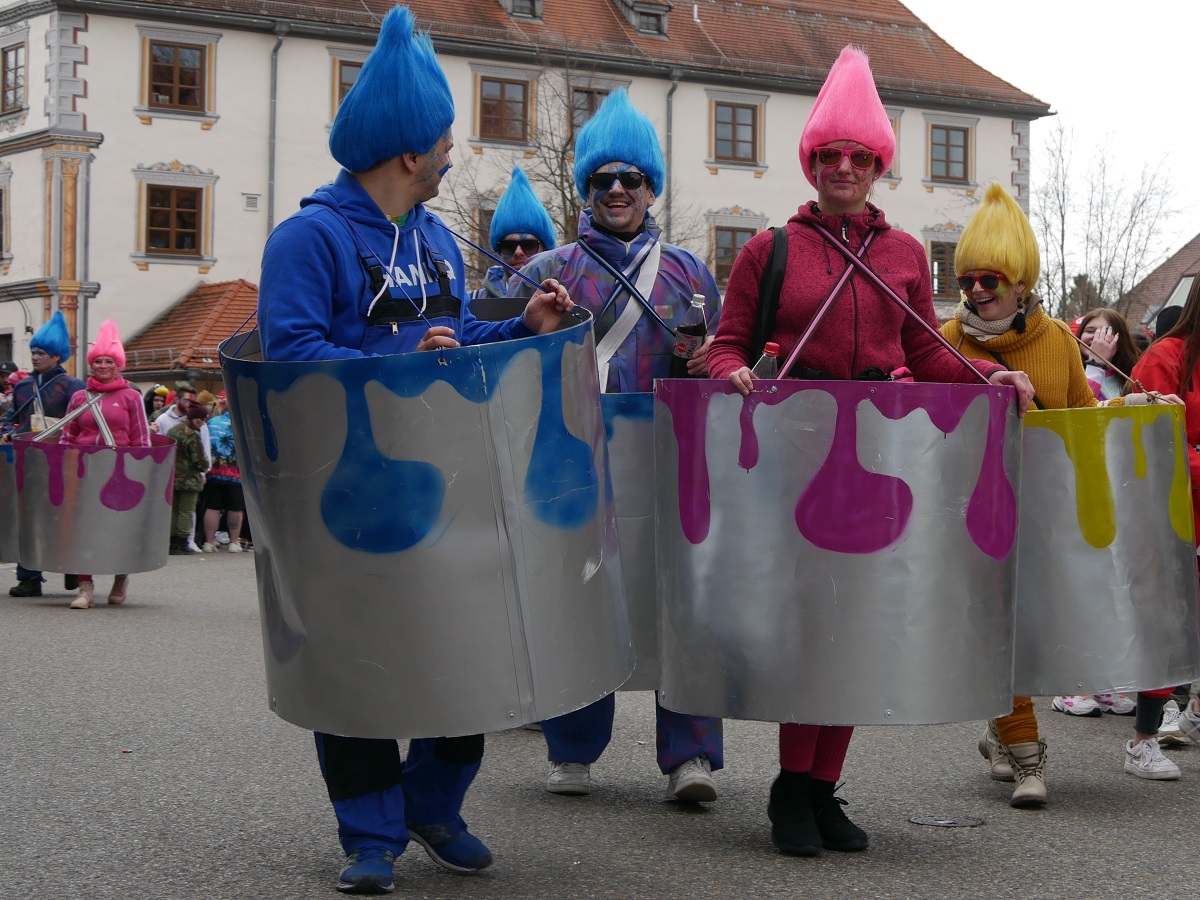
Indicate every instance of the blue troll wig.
{"type": "Point", "coordinates": [53, 338]}
{"type": "Point", "coordinates": [401, 102]}
{"type": "Point", "coordinates": [521, 212]}
{"type": "Point", "coordinates": [618, 133]}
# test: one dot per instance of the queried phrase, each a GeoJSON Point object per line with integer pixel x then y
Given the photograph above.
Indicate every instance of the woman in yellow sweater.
{"type": "Point", "coordinates": [1000, 319]}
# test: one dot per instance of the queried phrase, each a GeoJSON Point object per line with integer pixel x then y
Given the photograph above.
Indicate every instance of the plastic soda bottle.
{"type": "Point", "coordinates": [689, 335]}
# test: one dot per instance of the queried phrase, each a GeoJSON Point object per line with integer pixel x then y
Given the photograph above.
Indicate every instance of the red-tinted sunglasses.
{"type": "Point", "coordinates": [832, 156]}
{"type": "Point", "coordinates": [989, 281]}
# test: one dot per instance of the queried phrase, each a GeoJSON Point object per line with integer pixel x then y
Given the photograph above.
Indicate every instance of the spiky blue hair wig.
{"type": "Point", "coordinates": [401, 102]}
{"type": "Point", "coordinates": [519, 212]}
{"type": "Point", "coordinates": [53, 337]}
{"type": "Point", "coordinates": [618, 133]}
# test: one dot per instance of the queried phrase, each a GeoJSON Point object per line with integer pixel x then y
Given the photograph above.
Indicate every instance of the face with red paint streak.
{"type": "Point", "coordinates": [998, 303]}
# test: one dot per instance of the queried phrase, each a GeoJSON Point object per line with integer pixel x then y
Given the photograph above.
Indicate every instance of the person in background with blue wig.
{"type": "Point", "coordinates": [45, 394]}
{"type": "Point", "coordinates": [364, 269]}
{"type": "Point", "coordinates": [520, 230]}
{"type": "Point", "coordinates": [619, 168]}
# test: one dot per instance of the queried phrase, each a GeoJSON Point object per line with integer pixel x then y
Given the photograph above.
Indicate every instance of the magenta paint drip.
{"type": "Point", "coordinates": [846, 508]}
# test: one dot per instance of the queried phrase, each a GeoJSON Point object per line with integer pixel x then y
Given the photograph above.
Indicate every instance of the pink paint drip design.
{"type": "Point", "coordinates": [846, 508]}
{"type": "Point", "coordinates": [688, 403]}
{"type": "Point", "coordinates": [119, 493]}
{"type": "Point", "coordinates": [748, 449]}
{"type": "Point", "coordinates": [992, 510]}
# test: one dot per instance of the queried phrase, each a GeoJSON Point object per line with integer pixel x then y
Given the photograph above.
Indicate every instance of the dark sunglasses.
{"type": "Point", "coordinates": [989, 281]}
{"type": "Point", "coordinates": [602, 181]}
{"type": "Point", "coordinates": [832, 156]}
{"type": "Point", "coordinates": [529, 245]}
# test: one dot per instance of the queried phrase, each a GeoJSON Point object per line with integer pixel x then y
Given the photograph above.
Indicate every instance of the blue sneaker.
{"type": "Point", "coordinates": [367, 871]}
{"type": "Point", "coordinates": [452, 847]}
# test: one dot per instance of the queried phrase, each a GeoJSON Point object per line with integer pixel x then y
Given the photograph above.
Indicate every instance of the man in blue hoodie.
{"type": "Point", "coordinates": [45, 393]}
{"type": "Point", "coordinates": [364, 269]}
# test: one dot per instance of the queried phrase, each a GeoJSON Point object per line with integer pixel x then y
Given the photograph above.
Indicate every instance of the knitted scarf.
{"type": "Point", "coordinates": [983, 330]}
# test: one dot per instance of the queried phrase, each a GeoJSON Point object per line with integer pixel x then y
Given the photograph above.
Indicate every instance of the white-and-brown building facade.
{"type": "Point", "coordinates": [146, 146]}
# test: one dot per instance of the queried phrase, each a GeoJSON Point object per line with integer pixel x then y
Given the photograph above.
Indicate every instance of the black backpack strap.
{"type": "Point", "coordinates": [768, 291]}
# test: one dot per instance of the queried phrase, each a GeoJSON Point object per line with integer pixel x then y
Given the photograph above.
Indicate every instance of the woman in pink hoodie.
{"type": "Point", "coordinates": [847, 144]}
{"type": "Point", "coordinates": [122, 410]}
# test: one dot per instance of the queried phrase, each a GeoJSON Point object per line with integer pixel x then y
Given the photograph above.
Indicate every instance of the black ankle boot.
{"type": "Point", "coordinates": [837, 831]}
{"type": "Point", "coordinates": [30, 587]}
{"type": "Point", "coordinates": [793, 828]}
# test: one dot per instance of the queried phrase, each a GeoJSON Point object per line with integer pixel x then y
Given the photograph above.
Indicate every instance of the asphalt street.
{"type": "Point", "coordinates": [139, 760]}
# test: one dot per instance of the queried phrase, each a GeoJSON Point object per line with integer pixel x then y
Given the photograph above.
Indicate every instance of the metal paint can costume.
{"type": "Point", "coordinates": [1106, 592]}
{"type": "Point", "coordinates": [457, 501]}
{"type": "Point", "coordinates": [836, 552]}
{"type": "Point", "coordinates": [629, 425]}
{"type": "Point", "coordinates": [93, 508]}
{"type": "Point", "coordinates": [8, 505]}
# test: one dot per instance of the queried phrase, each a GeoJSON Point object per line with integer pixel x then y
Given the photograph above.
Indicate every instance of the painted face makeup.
{"type": "Point", "coordinates": [619, 208]}
{"type": "Point", "coordinates": [996, 303]}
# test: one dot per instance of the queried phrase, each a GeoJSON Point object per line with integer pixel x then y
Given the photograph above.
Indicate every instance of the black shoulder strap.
{"type": "Point", "coordinates": [768, 291]}
{"type": "Point", "coordinates": [1000, 359]}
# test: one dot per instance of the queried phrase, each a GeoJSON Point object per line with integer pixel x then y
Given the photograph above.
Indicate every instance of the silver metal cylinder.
{"type": "Point", "coordinates": [1106, 587]}
{"type": "Point", "coordinates": [436, 546]}
{"type": "Point", "coordinates": [836, 552]}
{"type": "Point", "coordinates": [99, 510]}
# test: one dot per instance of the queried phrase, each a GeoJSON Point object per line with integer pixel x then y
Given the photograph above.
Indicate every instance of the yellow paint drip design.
{"type": "Point", "coordinates": [1083, 434]}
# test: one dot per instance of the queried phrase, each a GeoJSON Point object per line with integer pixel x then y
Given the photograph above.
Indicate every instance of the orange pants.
{"type": "Point", "coordinates": [1019, 726]}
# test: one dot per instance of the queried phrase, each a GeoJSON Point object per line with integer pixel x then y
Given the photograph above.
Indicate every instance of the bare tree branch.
{"type": "Point", "coordinates": [481, 173]}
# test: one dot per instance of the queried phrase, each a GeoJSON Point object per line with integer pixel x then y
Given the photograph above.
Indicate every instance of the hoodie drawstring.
{"type": "Point", "coordinates": [391, 268]}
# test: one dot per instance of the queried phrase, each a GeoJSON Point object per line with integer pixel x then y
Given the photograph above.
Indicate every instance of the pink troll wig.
{"type": "Point", "coordinates": [108, 343]}
{"type": "Point", "coordinates": [848, 108]}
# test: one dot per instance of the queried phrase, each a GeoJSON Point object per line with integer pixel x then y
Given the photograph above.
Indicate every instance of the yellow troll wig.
{"type": "Point", "coordinates": [999, 238]}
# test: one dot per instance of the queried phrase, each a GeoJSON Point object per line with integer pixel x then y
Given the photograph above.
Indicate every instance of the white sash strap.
{"type": "Point", "coordinates": [621, 329]}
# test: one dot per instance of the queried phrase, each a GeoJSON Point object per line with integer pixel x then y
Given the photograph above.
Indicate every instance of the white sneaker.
{"type": "Point", "coordinates": [692, 782]}
{"type": "Point", "coordinates": [221, 537]}
{"type": "Point", "coordinates": [1117, 704]}
{"type": "Point", "coordinates": [1077, 706]}
{"type": "Point", "coordinates": [1146, 760]}
{"type": "Point", "coordinates": [234, 548]}
{"type": "Point", "coordinates": [192, 548]}
{"type": "Point", "coordinates": [1168, 732]}
{"type": "Point", "coordinates": [1189, 724]}
{"type": "Point", "coordinates": [570, 778]}
{"type": "Point", "coordinates": [208, 548]}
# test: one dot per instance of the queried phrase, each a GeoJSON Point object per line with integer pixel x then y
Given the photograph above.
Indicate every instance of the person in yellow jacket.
{"type": "Point", "coordinates": [1000, 319]}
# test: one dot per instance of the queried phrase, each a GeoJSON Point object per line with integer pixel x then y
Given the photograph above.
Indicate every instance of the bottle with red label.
{"type": "Point", "coordinates": [689, 335]}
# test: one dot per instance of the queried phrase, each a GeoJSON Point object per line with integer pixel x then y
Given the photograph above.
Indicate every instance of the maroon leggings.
{"type": "Point", "coordinates": [818, 750]}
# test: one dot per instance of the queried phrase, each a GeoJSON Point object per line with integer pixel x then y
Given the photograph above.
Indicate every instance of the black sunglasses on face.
{"type": "Point", "coordinates": [989, 281]}
{"type": "Point", "coordinates": [602, 181]}
{"type": "Point", "coordinates": [529, 245]}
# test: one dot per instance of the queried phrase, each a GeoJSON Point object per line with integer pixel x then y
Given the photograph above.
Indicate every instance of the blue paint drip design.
{"type": "Point", "coordinates": [561, 482]}
{"type": "Point", "coordinates": [625, 406]}
{"type": "Point", "coordinates": [360, 503]}
{"type": "Point", "coordinates": [381, 505]}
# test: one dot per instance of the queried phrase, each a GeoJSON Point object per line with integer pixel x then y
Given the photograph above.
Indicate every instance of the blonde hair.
{"type": "Point", "coordinates": [999, 238]}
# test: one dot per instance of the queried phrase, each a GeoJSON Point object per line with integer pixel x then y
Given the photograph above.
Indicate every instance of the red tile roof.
{"type": "Point", "coordinates": [1152, 291]}
{"type": "Point", "coordinates": [187, 334]}
{"type": "Point", "coordinates": [793, 40]}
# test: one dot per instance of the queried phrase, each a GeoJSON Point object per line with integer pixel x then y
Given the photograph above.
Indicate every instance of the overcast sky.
{"type": "Point", "coordinates": [1106, 68]}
